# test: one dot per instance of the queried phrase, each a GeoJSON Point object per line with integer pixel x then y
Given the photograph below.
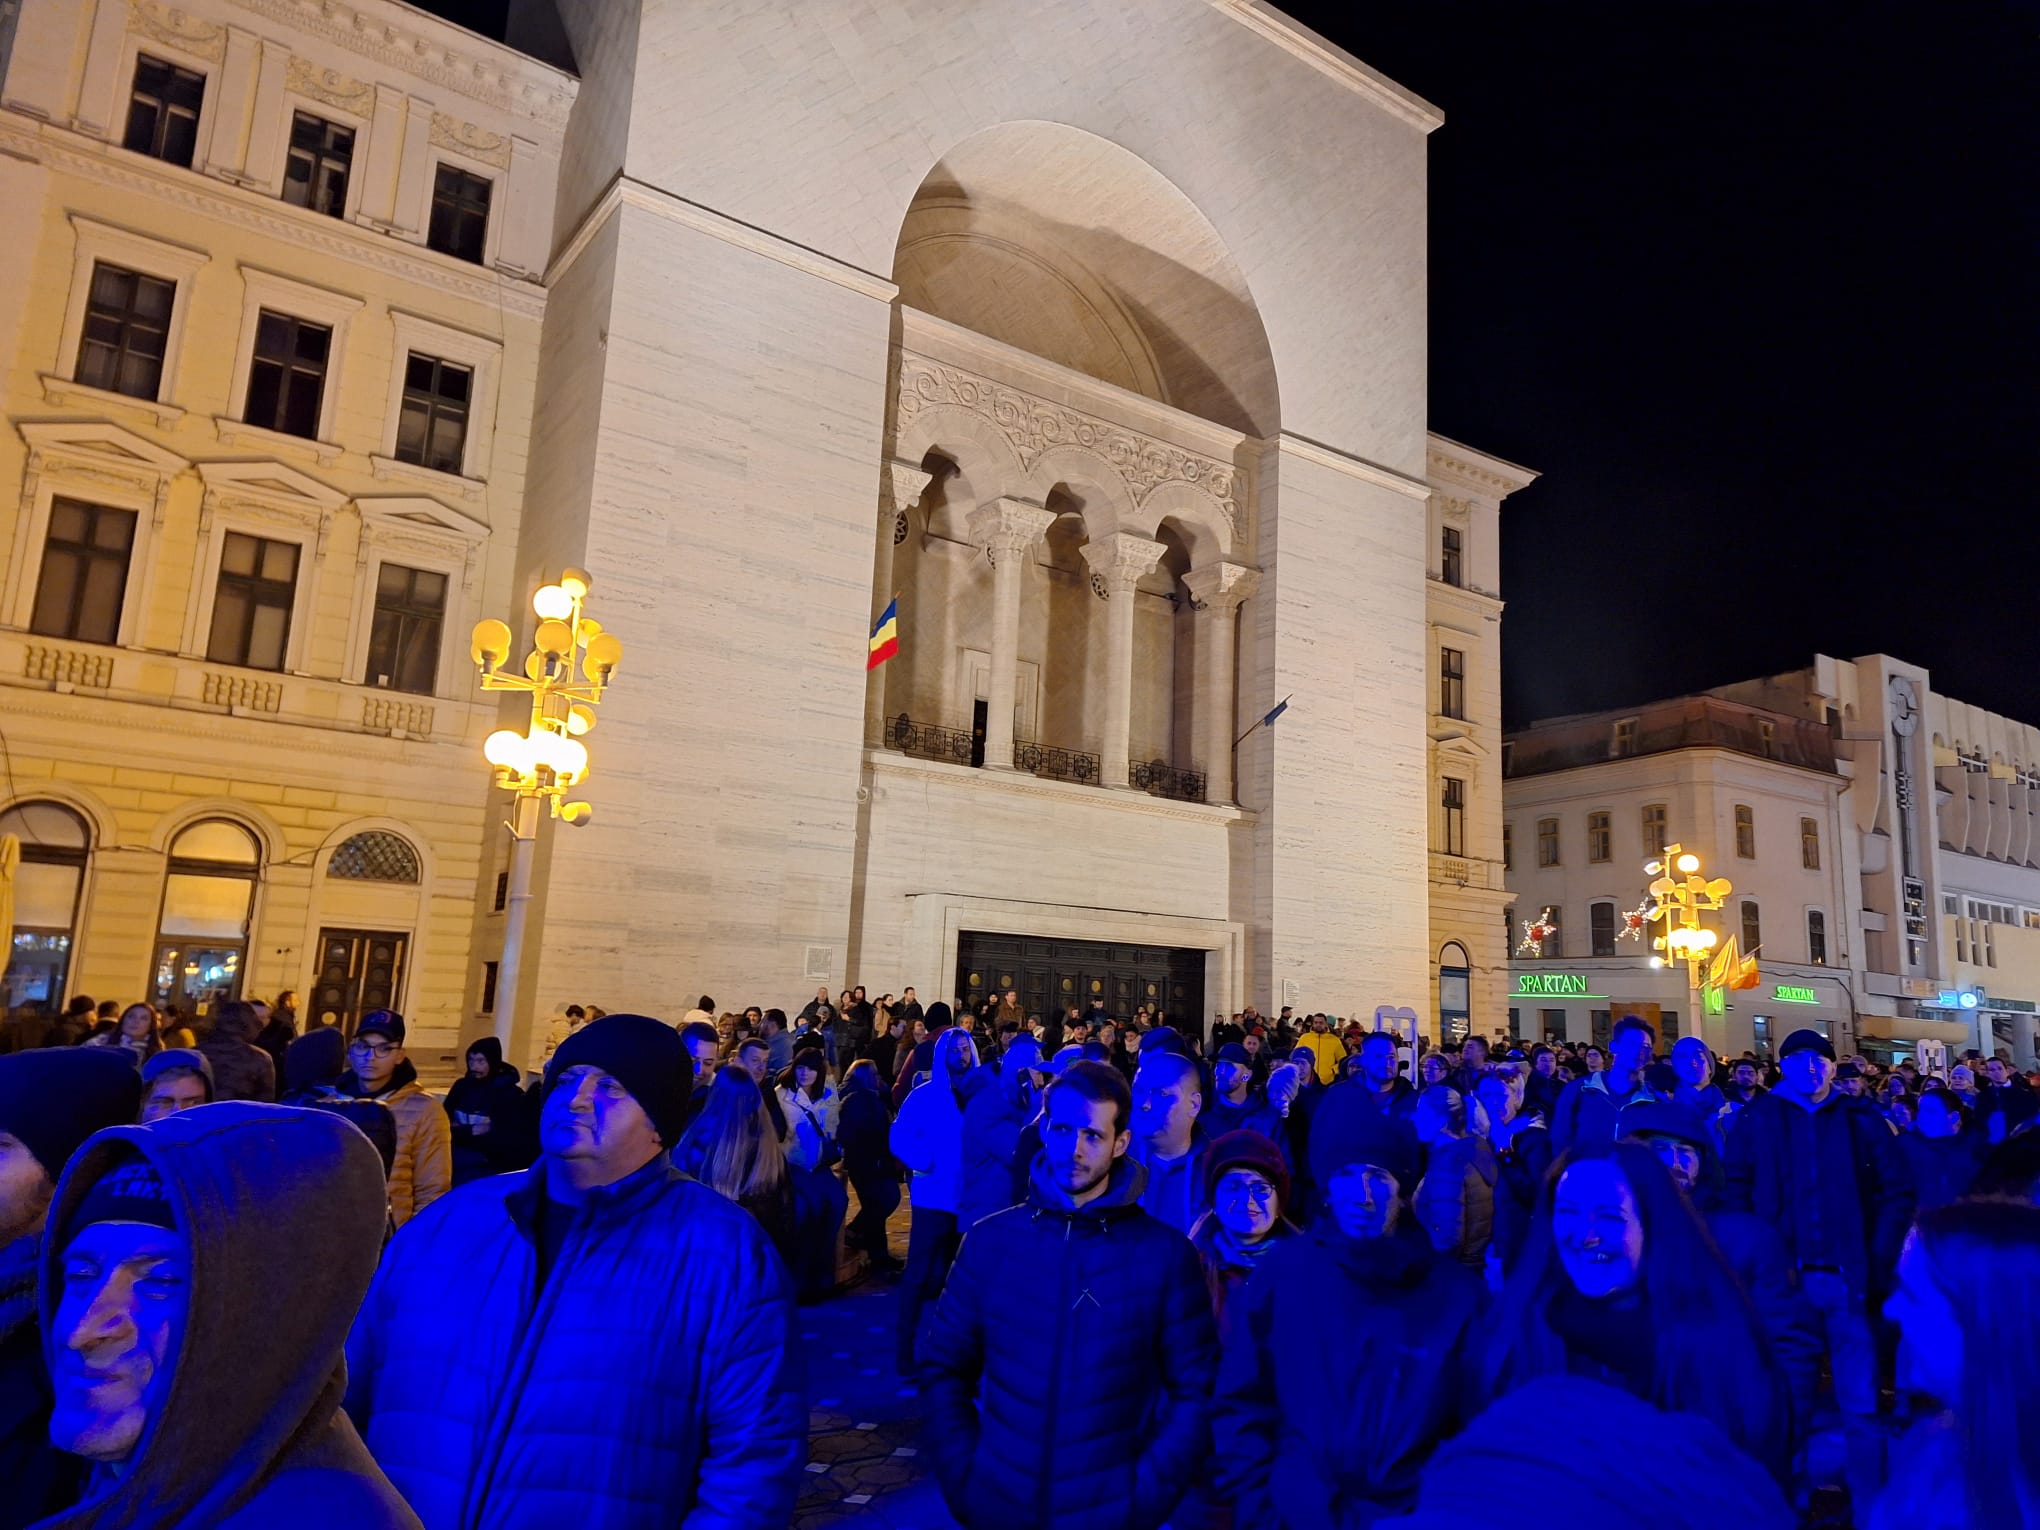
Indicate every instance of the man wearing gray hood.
{"type": "Point", "coordinates": [185, 1413]}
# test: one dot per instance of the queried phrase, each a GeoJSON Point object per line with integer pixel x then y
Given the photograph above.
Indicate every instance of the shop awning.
{"type": "Point", "coordinates": [1900, 1028]}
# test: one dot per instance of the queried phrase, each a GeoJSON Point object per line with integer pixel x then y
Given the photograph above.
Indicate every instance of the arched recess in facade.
{"type": "Point", "coordinates": [1081, 382]}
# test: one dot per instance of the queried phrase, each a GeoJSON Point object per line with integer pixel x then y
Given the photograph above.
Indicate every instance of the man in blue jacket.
{"type": "Point", "coordinates": [1069, 1366]}
{"type": "Point", "coordinates": [1588, 1109]}
{"type": "Point", "coordinates": [598, 1340]}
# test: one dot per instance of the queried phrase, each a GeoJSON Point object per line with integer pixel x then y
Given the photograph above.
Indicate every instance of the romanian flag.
{"type": "Point", "coordinates": [885, 637]}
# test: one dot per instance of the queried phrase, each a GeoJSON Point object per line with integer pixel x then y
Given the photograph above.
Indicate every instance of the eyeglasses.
{"type": "Point", "coordinates": [1259, 1191]}
{"type": "Point", "coordinates": [376, 1049]}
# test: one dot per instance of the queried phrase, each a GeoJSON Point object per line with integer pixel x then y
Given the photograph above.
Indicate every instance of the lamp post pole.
{"type": "Point", "coordinates": [571, 663]}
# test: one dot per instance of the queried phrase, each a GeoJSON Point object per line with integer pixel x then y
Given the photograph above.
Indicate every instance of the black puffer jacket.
{"type": "Point", "coordinates": [1088, 1407]}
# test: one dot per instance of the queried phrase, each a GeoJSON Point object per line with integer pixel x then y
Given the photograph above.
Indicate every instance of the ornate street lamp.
{"type": "Point", "coordinates": [571, 663]}
{"type": "Point", "coordinates": [1683, 895]}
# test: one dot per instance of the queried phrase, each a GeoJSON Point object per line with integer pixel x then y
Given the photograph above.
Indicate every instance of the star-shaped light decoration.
{"type": "Point", "coordinates": [1536, 932]}
{"type": "Point", "coordinates": [1634, 921]}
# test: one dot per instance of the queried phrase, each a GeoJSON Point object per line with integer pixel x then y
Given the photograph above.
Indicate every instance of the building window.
{"type": "Point", "coordinates": [1547, 841]}
{"type": "Point", "coordinates": [1449, 560]}
{"type": "Point", "coordinates": [1601, 928]}
{"type": "Point", "coordinates": [252, 606]}
{"type": "Point", "coordinates": [1654, 828]}
{"type": "Point", "coordinates": [1622, 742]}
{"type": "Point", "coordinates": [202, 935]}
{"type": "Point", "coordinates": [376, 855]}
{"type": "Point", "coordinates": [1767, 739]}
{"type": "Point", "coordinates": [502, 890]}
{"type": "Point", "coordinates": [1600, 838]}
{"type": "Point", "coordinates": [84, 572]}
{"type": "Point", "coordinates": [1508, 847]}
{"type": "Point", "coordinates": [432, 420]}
{"type": "Point", "coordinates": [1452, 796]}
{"type": "Point", "coordinates": [489, 970]}
{"type": "Point", "coordinates": [1816, 937]}
{"type": "Point", "coordinates": [127, 329]}
{"type": "Point", "coordinates": [1745, 832]}
{"type": "Point", "coordinates": [1809, 843]}
{"type": "Point", "coordinates": [1451, 682]}
{"type": "Point", "coordinates": [403, 643]}
{"type": "Point", "coordinates": [55, 844]}
{"type": "Point", "coordinates": [1554, 939]}
{"type": "Point", "coordinates": [315, 173]}
{"type": "Point", "coordinates": [287, 380]}
{"type": "Point", "coordinates": [460, 213]}
{"type": "Point", "coordinates": [1752, 928]}
{"type": "Point", "coordinates": [163, 111]}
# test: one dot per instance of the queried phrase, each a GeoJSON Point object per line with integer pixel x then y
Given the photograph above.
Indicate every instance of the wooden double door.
{"type": "Point", "coordinates": [1051, 975]}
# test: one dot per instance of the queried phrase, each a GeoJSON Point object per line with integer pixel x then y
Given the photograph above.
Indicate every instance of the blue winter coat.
{"type": "Point", "coordinates": [1341, 1376]}
{"type": "Point", "coordinates": [652, 1381]}
{"type": "Point", "coordinates": [1069, 1366]}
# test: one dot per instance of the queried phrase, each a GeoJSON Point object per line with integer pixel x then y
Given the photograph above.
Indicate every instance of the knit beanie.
{"type": "Point", "coordinates": [1523, 1449]}
{"type": "Point", "coordinates": [1245, 1149]}
{"type": "Point", "coordinates": [129, 1191]}
{"type": "Point", "coordinates": [317, 1057]}
{"type": "Point", "coordinates": [936, 1016]}
{"type": "Point", "coordinates": [644, 1055]}
{"type": "Point", "coordinates": [1807, 1041]}
{"type": "Point", "coordinates": [53, 1098]}
{"type": "Point", "coordinates": [1341, 1138]}
{"type": "Point", "coordinates": [178, 1057]}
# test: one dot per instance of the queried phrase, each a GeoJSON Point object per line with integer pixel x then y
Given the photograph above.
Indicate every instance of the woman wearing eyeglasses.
{"type": "Point", "coordinates": [1246, 1196]}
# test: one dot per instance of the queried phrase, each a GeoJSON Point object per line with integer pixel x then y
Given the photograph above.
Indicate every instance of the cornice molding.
{"type": "Point", "coordinates": [1446, 458]}
{"type": "Point", "coordinates": [73, 153]}
{"type": "Point", "coordinates": [623, 191]}
{"type": "Point", "coordinates": [1333, 62]}
{"type": "Point", "coordinates": [1354, 467]}
{"type": "Point", "coordinates": [411, 42]}
{"type": "Point", "coordinates": [1473, 602]}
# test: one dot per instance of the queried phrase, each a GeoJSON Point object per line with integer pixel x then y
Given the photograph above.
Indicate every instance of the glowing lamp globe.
{"type": "Point", "coordinates": [504, 748]}
{"type": "Point", "coordinates": [1689, 863]}
{"type": "Point", "coordinates": [553, 603]}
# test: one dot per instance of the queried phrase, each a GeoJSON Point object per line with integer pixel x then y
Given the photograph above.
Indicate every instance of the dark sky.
{"type": "Point", "coordinates": [1753, 286]}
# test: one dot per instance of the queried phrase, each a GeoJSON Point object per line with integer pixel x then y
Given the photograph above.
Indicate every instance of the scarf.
{"type": "Point", "coordinates": [1235, 1255]}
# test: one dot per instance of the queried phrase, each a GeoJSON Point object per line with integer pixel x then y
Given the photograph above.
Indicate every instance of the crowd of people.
{"type": "Point", "coordinates": [1281, 1272]}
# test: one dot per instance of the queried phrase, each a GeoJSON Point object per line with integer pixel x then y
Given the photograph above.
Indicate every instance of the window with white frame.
{"type": "Point", "coordinates": [1452, 801]}
{"type": "Point", "coordinates": [1745, 831]}
{"type": "Point", "coordinates": [82, 586]}
{"type": "Point", "coordinates": [406, 634]}
{"type": "Point", "coordinates": [318, 163]}
{"type": "Point", "coordinates": [459, 224]}
{"type": "Point", "coordinates": [1547, 842]}
{"type": "Point", "coordinates": [419, 558]}
{"type": "Point", "coordinates": [163, 110]}
{"type": "Point", "coordinates": [1451, 682]}
{"type": "Point", "coordinates": [68, 575]}
{"type": "Point", "coordinates": [253, 601]}
{"type": "Point", "coordinates": [1600, 838]}
{"type": "Point", "coordinates": [288, 370]}
{"type": "Point", "coordinates": [261, 522]}
{"type": "Point", "coordinates": [124, 322]}
{"type": "Point", "coordinates": [431, 428]}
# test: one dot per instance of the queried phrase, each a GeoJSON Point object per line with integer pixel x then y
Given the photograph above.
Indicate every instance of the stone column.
{"type": "Point", "coordinates": [1007, 529]}
{"type": "Point", "coordinates": [1216, 591]}
{"type": "Point", "coordinates": [1119, 561]}
{"type": "Point", "coordinates": [900, 485]}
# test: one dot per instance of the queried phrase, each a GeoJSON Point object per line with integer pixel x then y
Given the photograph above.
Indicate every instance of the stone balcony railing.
{"type": "Point", "coordinates": [176, 681]}
{"type": "Point", "coordinates": [958, 746]}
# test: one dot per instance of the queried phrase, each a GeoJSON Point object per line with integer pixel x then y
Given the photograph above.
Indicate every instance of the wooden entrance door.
{"type": "Point", "coordinates": [1050, 975]}
{"type": "Point", "coordinates": [359, 971]}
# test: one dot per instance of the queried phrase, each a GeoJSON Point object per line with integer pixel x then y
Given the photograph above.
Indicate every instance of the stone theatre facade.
{"type": "Point", "coordinates": [1094, 333]}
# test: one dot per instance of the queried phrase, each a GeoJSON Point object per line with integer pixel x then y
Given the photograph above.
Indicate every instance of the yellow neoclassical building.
{"type": "Point", "coordinates": [270, 303]}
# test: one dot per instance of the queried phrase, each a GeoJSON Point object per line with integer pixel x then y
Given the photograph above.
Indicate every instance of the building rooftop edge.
{"type": "Point", "coordinates": [1329, 59]}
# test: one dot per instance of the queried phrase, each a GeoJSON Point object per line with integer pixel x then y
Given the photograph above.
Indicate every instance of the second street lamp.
{"type": "Point", "coordinates": [571, 663]}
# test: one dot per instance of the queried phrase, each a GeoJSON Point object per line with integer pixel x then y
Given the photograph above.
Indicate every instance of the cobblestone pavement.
{"type": "Point", "coordinates": [866, 1461]}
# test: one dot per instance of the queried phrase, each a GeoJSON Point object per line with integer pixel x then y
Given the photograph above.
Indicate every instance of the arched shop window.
{"type": "Point", "coordinates": [46, 885]}
{"type": "Point", "coordinates": [1455, 975]}
{"type": "Point", "coordinates": [208, 894]}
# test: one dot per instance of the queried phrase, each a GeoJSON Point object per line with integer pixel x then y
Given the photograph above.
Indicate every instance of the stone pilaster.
{"type": "Point", "coordinates": [1008, 529]}
{"type": "Point", "coordinates": [1119, 562]}
{"type": "Point", "coordinates": [1216, 592]}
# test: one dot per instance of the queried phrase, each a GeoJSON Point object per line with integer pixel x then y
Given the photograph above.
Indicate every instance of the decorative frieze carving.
{"type": "Point", "coordinates": [1457, 512]}
{"type": "Point", "coordinates": [450, 132]}
{"type": "Point", "coordinates": [330, 86]}
{"type": "Point", "coordinates": [177, 29]}
{"type": "Point", "coordinates": [1034, 425]}
{"type": "Point", "coordinates": [1221, 586]}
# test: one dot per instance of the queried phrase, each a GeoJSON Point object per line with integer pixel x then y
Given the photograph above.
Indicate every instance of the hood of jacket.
{"type": "Point", "coordinates": [233, 1024]}
{"type": "Point", "coordinates": [19, 1262]}
{"type": "Point", "coordinates": [1401, 1259]}
{"type": "Point", "coordinates": [1123, 1187]}
{"type": "Point", "coordinates": [271, 1200]}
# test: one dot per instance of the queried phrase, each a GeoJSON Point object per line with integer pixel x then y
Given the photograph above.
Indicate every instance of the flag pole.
{"type": "Point", "coordinates": [1271, 712]}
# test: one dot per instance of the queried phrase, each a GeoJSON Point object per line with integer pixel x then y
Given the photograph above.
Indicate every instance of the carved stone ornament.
{"type": "Point", "coordinates": [899, 527]}
{"type": "Point", "coordinates": [1098, 587]}
{"type": "Point", "coordinates": [465, 138]}
{"type": "Point", "coordinates": [1457, 512]}
{"type": "Point", "coordinates": [1033, 425]}
{"type": "Point", "coordinates": [330, 86]}
{"type": "Point", "coordinates": [178, 29]}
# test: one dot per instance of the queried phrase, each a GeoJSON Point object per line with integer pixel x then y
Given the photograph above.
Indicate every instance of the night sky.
{"type": "Point", "coordinates": [1753, 286]}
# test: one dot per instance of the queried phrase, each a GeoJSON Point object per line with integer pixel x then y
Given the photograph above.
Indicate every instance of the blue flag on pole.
{"type": "Point", "coordinates": [1279, 708]}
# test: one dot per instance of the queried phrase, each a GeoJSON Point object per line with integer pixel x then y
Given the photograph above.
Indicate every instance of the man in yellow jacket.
{"type": "Point", "coordinates": [423, 1170]}
{"type": "Point", "coordinates": [1326, 1049]}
